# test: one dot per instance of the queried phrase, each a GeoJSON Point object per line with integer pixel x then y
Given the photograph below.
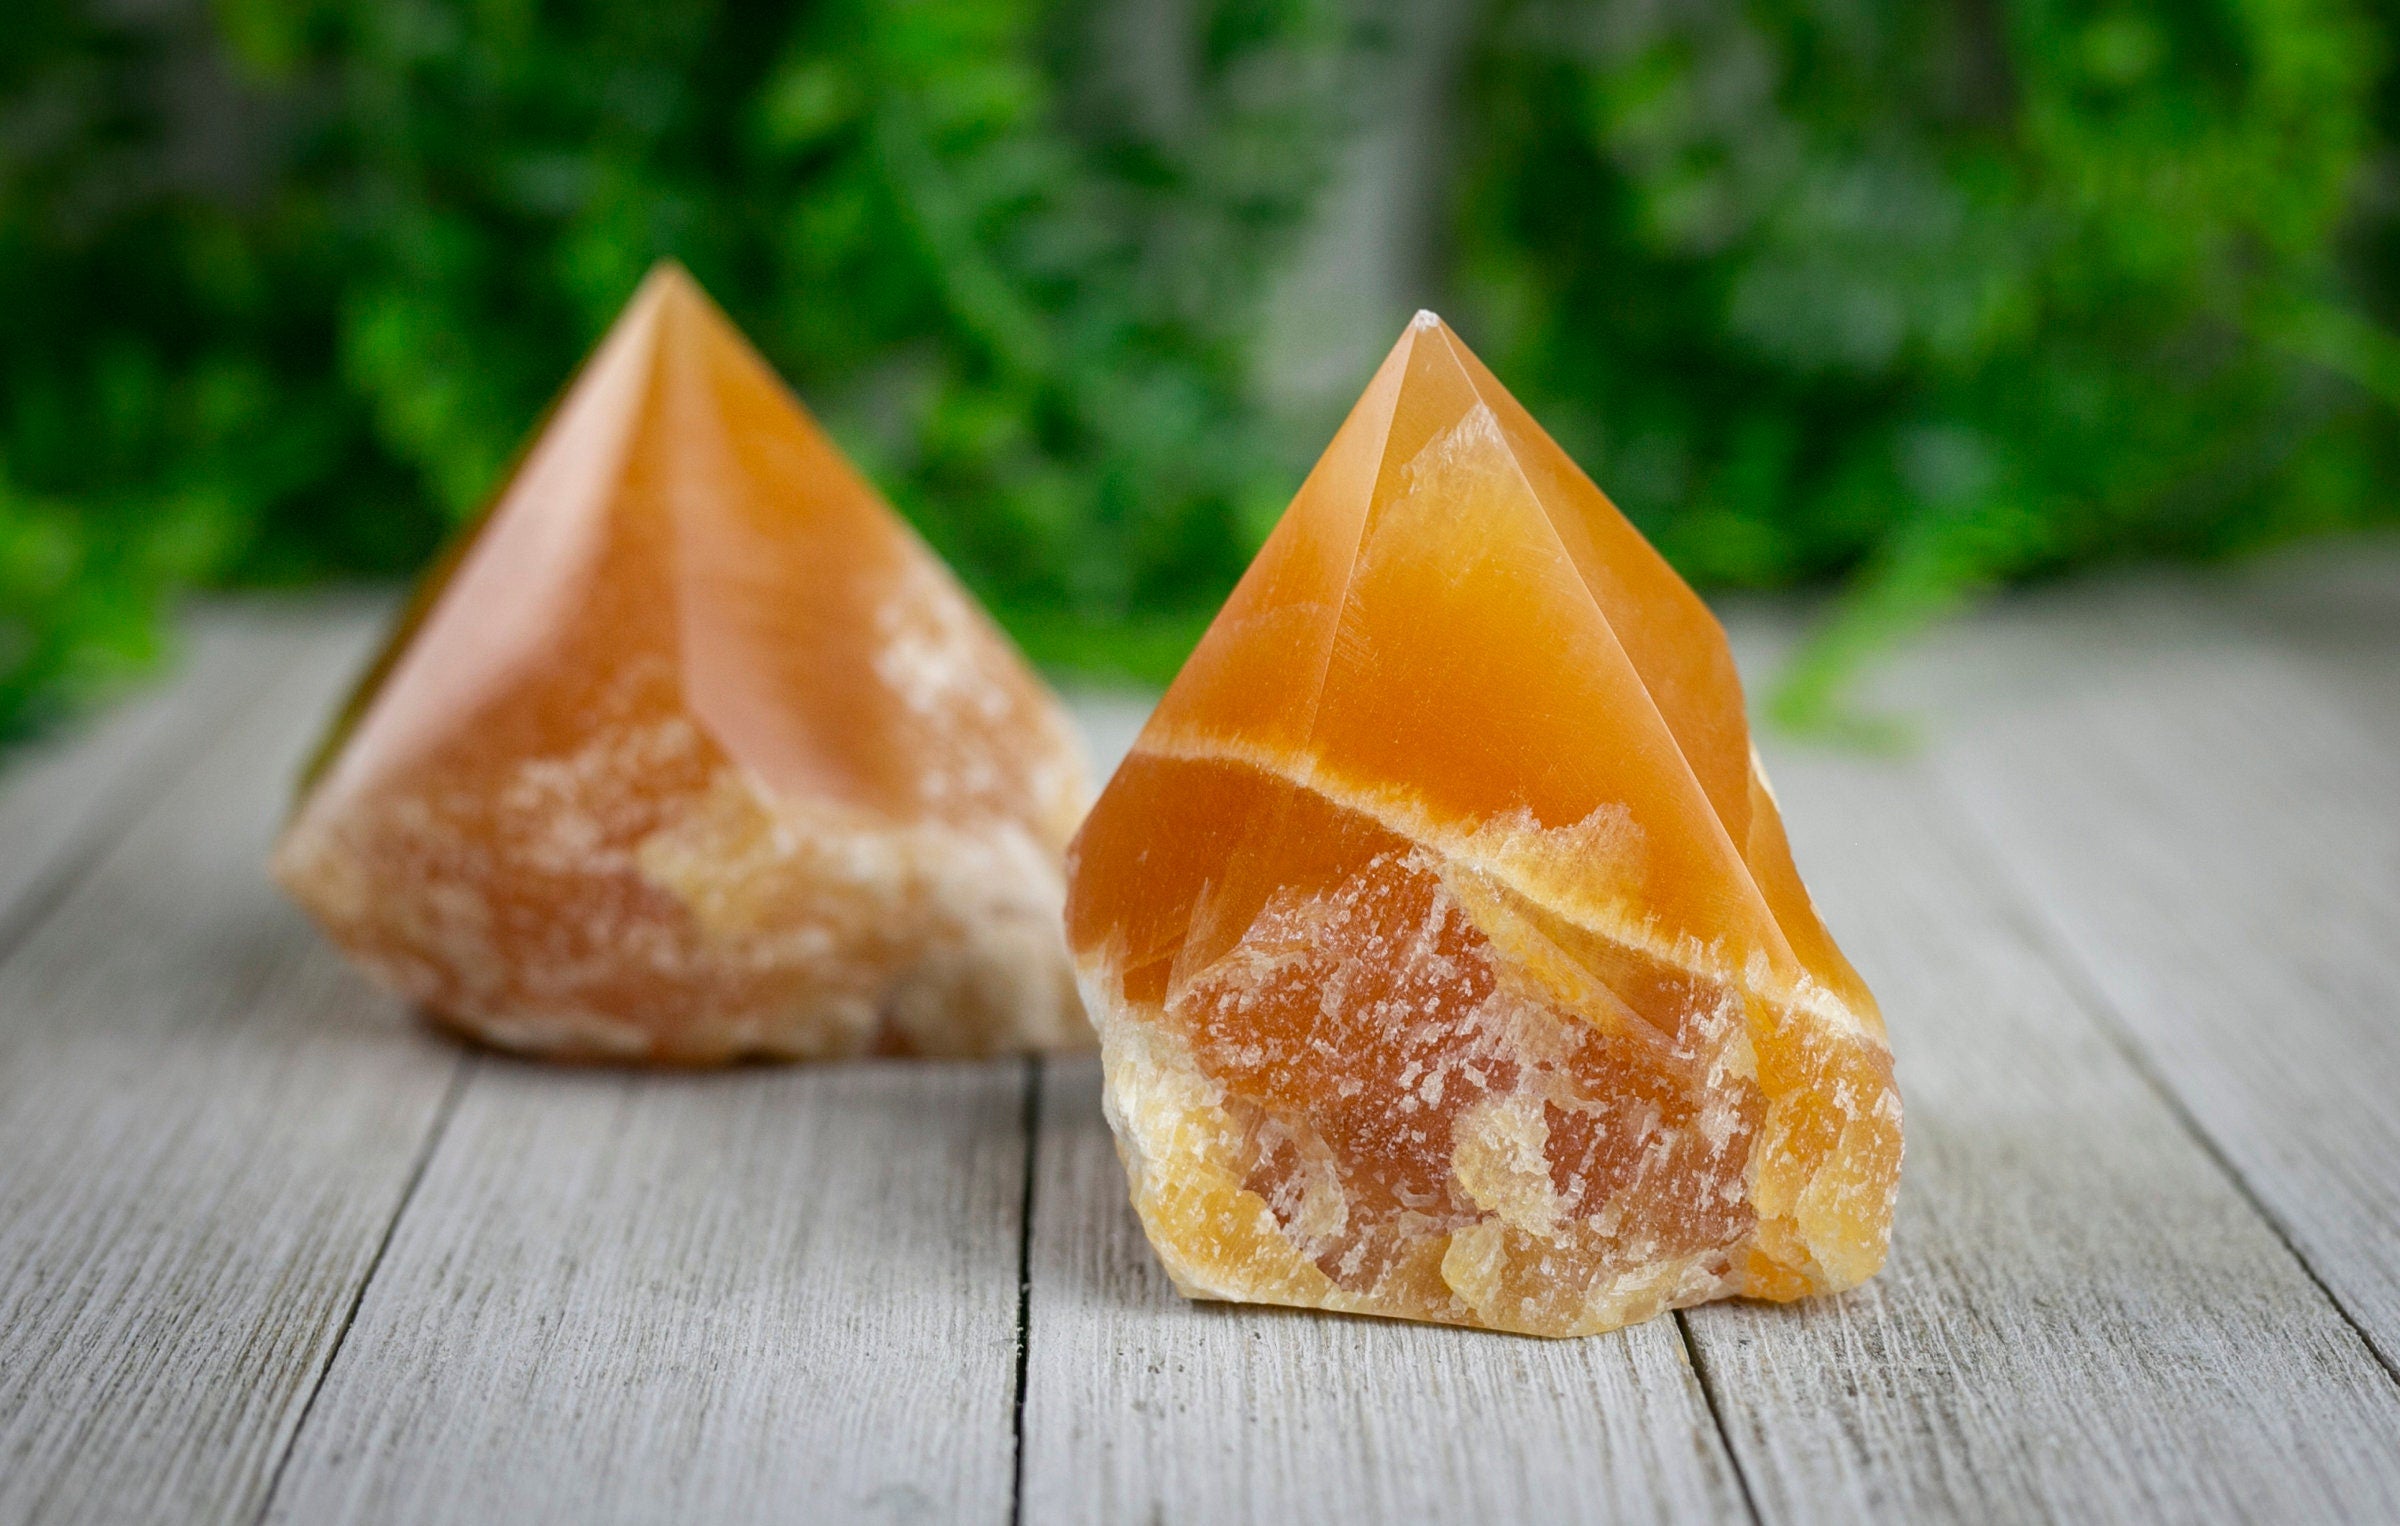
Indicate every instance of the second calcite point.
{"type": "Point", "coordinates": [695, 752]}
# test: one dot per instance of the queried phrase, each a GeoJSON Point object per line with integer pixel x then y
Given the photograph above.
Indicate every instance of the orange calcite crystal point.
{"type": "Point", "coordinates": [1447, 956]}
{"type": "Point", "coordinates": [694, 751]}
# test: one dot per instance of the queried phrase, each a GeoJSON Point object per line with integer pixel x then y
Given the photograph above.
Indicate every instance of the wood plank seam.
{"type": "Point", "coordinates": [460, 1073]}
{"type": "Point", "coordinates": [2087, 989]}
{"type": "Point", "coordinates": [1016, 1435]}
{"type": "Point", "coordinates": [203, 1126]}
{"type": "Point", "coordinates": [2083, 1317]}
{"type": "Point", "coordinates": [1144, 1405]}
{"type": "Point", "coordinates": [1716, 1413]}
{"type": "Point", "coordinates": [763, 1294]}
{"type": "Point", "coordinates": [2194, 814]}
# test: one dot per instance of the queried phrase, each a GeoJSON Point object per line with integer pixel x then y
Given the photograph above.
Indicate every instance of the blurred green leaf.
{"type": "Point", "coordinates": [1907, 300]}
{"type": "Point", "coordinates": [1927, 298]}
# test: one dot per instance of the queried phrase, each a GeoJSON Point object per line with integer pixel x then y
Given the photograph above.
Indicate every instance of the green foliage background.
{"type": "Point", "coordinates": [1909, 297]}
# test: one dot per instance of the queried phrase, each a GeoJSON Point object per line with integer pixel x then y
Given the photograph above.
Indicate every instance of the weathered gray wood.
{"type": "Point", "coordinates": [2336, 607]}
{"type": "Point", "coordinates": [2083, 1318]}
{"type": "Point", "coordinates": [206, 1125]}
{"type": "Point", "coordinates": [1142, 1407]}
{"type": "Point", "coordinates": [764, 1295]}
{"type": "Point", "coordinates": [2215, 841]}
{"type": "Point", "coordinates": [793, 1293]}
{"type": "Point", "coordinates": [62, 801]}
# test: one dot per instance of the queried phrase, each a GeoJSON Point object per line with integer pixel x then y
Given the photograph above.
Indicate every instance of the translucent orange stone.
{"type": "Point", "coordinates": [1448, 959]}
{"type": "Point", "coordinates": [693, 751]}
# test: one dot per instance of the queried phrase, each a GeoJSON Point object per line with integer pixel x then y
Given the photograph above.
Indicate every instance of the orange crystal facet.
{"type": "Point", "coordinates": [1448, 959]}
{"type": "Point", "coordinates": [694, 751]}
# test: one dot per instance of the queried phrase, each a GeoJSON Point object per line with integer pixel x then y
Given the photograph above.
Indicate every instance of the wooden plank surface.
{"type": "Point", "coordinates": [205, 1128]}
{"type": "Point", "coordinates": [2334, 608]}
{"type": "Point", "coordinates": [64, 802]}
{"type": "Point", "coordinates": [2210, 836]}
{"type": "Point", "coordinates": [763, 1295]}
{"type": "Point", "coordinates": [2083, 1318]}
{"type": "Point", "coordinates": [268, 1249]}
{"type": "Point", "coordinates": [1140, 1406]}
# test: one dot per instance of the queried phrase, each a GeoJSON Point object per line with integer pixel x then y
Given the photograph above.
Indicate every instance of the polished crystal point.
{"type": "Point", "coordinates": [693, 751]}
{"type": "Point", "coordinates": [1448, 959]}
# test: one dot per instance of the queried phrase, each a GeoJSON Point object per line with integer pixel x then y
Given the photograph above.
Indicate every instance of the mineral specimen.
{"type": "Point", "coordinates": [1448, 959]}
{"type": "Point", "coordinates": [693, 751]}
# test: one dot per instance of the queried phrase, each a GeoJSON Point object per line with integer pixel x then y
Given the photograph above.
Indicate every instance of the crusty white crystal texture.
{"type": "Point", "coordinates": [695, 753]}
{"type": "Point", "coordinates": [1447, 956]}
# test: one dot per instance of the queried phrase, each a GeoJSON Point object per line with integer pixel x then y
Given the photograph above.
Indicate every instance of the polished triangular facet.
{"type": "Point", "coordinates": [694, 751]}
{"type": "Point", "coordinates": [1448, 959]}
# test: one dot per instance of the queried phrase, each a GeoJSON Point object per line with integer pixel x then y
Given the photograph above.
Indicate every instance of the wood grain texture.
{"type": "Point", "coordinates": [2082, 1319]}
{"type": "Point", "coordinates": [63, 802]}
{"type": "Point", "coordinates": [1140, 1406]}
{"type": "Point", "coordinates": [206, 1126]}
{"type": "Point", "coordinates": [2139, 901]}
{"type": "Point", "coordinates": [2199, 824]}
{"type": "Point", "coordinates": [758, 1295]}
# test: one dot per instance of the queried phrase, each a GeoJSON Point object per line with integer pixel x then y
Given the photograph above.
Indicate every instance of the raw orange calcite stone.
{"type": "Point", "coordinates": [693, 751]}
{"type": "Point", "coordinates": [1448, 959]}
